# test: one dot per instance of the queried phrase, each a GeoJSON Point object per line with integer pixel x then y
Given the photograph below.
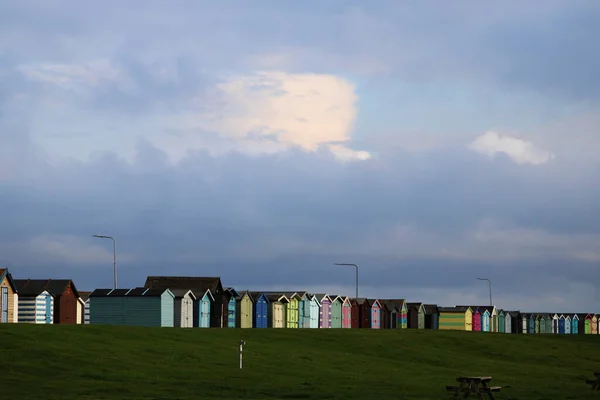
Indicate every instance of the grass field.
{"type": "Point", "coordinates": [104, 362]}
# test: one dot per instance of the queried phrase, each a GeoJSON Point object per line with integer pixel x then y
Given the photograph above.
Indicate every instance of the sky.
{"type": "Point", "coordinates": [429, 142]}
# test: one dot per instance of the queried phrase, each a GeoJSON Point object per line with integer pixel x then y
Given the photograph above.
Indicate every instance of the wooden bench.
{"type": "Point", "coordinates": [476, 385]}
{"type": "Point", "coordinates": [594, 382]}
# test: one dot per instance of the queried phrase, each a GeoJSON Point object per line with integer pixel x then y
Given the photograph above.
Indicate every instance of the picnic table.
{"type": "Point", "coordinates": [594, 382]}
{"type": "Point", "coordinates": [476, 385]}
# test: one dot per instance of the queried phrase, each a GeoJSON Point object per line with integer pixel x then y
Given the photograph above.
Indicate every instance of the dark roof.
{"type": "Point", "coordinates": [481, 308]}
{"type": "Point", "coordinates": [84, 295]}
{"type": "Point", "coordinates": [409, 305]}
{"type": "Point", "coordinates": [33, 287]}
{"type": "Point", "coordinates": [155, 292]}
{"type": "Point", "coordinates": [179, 293]}
{"type": "Point", "coordinates": [393, 303]}
{"type": "Point", "coordinates": [100, 292]}
{"type": "Point", "coordinates": [232, 291]}
{"type": "Point", "coordinates": [273, 296]}
{"type": "Point", "coordinates": [29, 287]}
{"type": "Point", "coordinates": [196, 284]}
{"type": "Point", "coordinates": [431, 308]}
{"type": "Point", "coordinates": [4, 272]}
{"type": "Point", "coordinates": [118, 292]}
{"type": "Point", "coordinates": [360, 300]}
{"type": "Point", "coordinates": [138, 291]}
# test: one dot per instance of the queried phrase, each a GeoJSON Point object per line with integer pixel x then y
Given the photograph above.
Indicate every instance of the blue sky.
{"type": "Point", "coordinates": [429, 142]}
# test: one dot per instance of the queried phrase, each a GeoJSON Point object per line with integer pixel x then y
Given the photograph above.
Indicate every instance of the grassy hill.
{"type": "Point", "coordinates": [104, 362]}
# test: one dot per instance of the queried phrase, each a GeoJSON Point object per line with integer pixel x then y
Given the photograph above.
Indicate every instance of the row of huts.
{"type": "Point", "coordinates": [40, 301]}
{"type": "Point", "coordinates": [204, 302]}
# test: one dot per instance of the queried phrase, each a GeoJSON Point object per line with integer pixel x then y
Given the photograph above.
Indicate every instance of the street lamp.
{"type": "Point", "coordinates": [114, 256]}
{"type": "Point", "coordinates": [490, 284]}
{"type": "Point", "coordinates": [355, 266]}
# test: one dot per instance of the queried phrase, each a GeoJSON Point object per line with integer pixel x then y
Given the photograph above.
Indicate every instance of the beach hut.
{"type": "Point", "coordinates": [336, 311]}
{"type": "Point", "coordinates": [375, 313]}
{"type": "Point", "coordinates": [9, 298]}
{"type": "Point", "coordinates": [389, 314]}
{"type": "Point", "coordinates": [183, 308]}
{"type": "Point", "coordinates": [588, 324]}
{"type": "Point", "coordinates": [476, 320]}
{"type": "Point", "coordinates": [244, 304]}
{"type": "Point", "coordinates": [259, 310]}
{"type": "Point", "coordinates": [232, 295]}
{"type": "Point", "coordinates": [561, 324]}
{"type": "Point", "coordinates": [485, 321]}
{"type": "Point", "coordinates": [384, 316]}
{"type": "Point", "coordinates": [361, 313]}
{"type": "Point", "coordinates": [416, 315]}
{"type": "Point", "coordinates": [431, 316]}
{"type": "Point", "coordinates": [292, 310]}
{"type": "Point", "coordinates": [455, 318]}
{"type": "Point", "coordinates": [315, 310]}
{"type": "Point", "coordinates": [541, 323]}
{"type": "Point", "coordinates": [36, 305]}
{"type": "Point", "coordinates": [594, 325]}
{"type": "Point", "coordinates": [324, 311]}
{"type": "Point", "coordinates": [205, 308]}
{"type": "Point", "coordinates": [346, 313]}
{"type": "Point", "coordinates": [555, 323]}
{"type": "Point", "coordinates": [277, 309]}
{"type": "Point", "coordinates": [132, 307]}
{"type": "Point", "coordinates": [86, 306]}
{"type": "Point", "coordinates": [568, 324]}
{"type": "Point", "coordinates": [575, 325]}
{"type": "Point", "coordinates": [304, 310]}
{"type": "Point", "coordinates": [501, 321]}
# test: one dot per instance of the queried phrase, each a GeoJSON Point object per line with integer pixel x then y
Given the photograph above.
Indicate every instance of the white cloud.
{"type": "Point", "coordinates": [519, 150]}
{"type": "Point", "coordinates": [304, 110]}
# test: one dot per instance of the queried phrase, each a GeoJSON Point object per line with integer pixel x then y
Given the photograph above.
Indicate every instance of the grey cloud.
{"type": "Point", "coordinates": [284, 220]}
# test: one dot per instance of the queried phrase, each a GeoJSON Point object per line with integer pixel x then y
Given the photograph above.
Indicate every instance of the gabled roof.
{"type": "Point", "coordinates": [33, 287]}
{"type": "Point", "coordinates": [207, 292]}
{"type": "Point", "coordinates": [431, 308]}
{"type": "Point", "coordinates": [232, 292]}
{"type": "Point", "coordinates": [415, 305]}
{"type": "Point", "coordinates": [393, 303]}
{"type": "Point", "coordinates": [5, 274]}
{"type": "Point", "coordinates": [100, 293]}
{"type": "Point", "coordinates": [196, 284]}
{"type": "Point", "coordinates": [138, 291]}
{"type": "Point", "coordinates": [181, 293]}
{"type": "Point", "coordinates": [276, 296]}
{"type": "Point", "coordinates": [489, 309]}
{"type": "Point", "coordinates": [373, 301]}
{"type": "Point", "coordinates": [321, 296]}
{"type": "Point", "coordinates": [254, 296]}
{"type": "Point", "coordinates": [84, 295]}
{"type": "Point", "coordinates": [118, 292]}
{"type": "Point", "coordinates": [361, 300]}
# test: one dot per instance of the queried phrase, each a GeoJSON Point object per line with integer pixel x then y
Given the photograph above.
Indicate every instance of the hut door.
{"type": "Point", "coordinates": [48, 309]}
{"type": "Point", "coordinates": [4, 318]}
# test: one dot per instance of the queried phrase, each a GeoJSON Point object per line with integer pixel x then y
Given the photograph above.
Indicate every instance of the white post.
{"type": "Point", "coordinates": [242, 343]}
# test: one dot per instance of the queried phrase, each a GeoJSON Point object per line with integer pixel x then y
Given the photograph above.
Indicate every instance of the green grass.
{"type": "Point", "coordinates": [106, 362]}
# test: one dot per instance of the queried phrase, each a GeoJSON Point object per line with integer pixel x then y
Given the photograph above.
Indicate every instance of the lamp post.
{"type": "Point", "coordinates": [114, 256]}
{"type": "Point", "coordinates": [355, 266]}
{"type": "Point", "coordinates": [490, 285]}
